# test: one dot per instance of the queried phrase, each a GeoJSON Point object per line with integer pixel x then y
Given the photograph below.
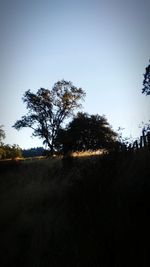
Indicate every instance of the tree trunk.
{"type": "Point", "coordinates": [51, 148]}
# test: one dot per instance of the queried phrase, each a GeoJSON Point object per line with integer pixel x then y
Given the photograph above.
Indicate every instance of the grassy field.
{"type": "Point", "coordinates": [83, 211]}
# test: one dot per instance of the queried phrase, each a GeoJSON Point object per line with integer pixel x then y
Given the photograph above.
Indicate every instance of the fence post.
{"type": "Point", "coordinates": [144, 138]}
{"type": "Point", "coordinates": [141, 141]}
{"type": "Point", "coordinates": [136, 144]}
{"type": "Point", "coordinates": [148, 140]}
{"type": "Point", "coordinates": [144, 141]}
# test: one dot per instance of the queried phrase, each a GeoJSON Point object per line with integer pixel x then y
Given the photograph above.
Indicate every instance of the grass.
{"type": "Point", "coordinates": [88, 153]}
{"type": "Point", "coordinates": [80, 211]}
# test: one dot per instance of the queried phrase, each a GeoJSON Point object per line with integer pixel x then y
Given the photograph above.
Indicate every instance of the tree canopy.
{"type": "Point", "coordinates": [146, 81]}
{"type": "Point", "coordinates": [47, 110]}
{"type": "Point", "coordinates": [86, 132]}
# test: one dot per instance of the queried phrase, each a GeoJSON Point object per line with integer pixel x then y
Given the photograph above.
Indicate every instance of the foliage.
{"type": "Point", "coordinates": [146, 81]}
{"type": "Point", "coordinates": [2, 133]}
{"type": "Point", "coordinates": [123, 143]}
{"type": "Point", "coordinates": [10, 152]}
{"type": "Point", "coordinates": [86, 132]}
{"type": "Point", "coordinates": [48, 109]}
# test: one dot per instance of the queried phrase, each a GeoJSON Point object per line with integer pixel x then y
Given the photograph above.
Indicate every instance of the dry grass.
{"type": "Point", "coordinates": [88, 153]}
{"type": "Point", "coordinates": [89, 213]}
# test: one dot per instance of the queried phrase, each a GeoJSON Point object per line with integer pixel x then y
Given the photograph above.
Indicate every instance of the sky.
{"type": "Point", "coordinates": [101, 46]}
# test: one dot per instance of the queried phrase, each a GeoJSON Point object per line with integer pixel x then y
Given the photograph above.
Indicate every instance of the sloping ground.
{"type": "Point", "coordinates": [90, 211]}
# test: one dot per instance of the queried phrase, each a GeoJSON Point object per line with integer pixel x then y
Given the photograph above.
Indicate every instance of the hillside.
{"type": "Point", "coordinates": [88, 211]}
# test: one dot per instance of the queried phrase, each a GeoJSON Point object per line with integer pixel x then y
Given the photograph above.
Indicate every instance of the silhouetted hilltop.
{"type": "Point", "coordinates": [33, 152]}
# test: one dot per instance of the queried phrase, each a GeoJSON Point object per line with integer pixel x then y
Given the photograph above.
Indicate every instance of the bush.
{"type": "Point", "coordinates": [10, 152]}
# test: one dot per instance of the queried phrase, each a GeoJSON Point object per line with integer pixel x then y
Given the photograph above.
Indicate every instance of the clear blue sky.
{"type": "Point", "coordinates": [102, 46]}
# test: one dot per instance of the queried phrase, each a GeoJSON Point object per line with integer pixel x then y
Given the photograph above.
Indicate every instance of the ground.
{"type": "Point", "coordinates": [91, 211]}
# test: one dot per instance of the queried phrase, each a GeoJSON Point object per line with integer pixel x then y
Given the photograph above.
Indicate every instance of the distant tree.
{"type": "Point", "coordinates": [86, 132]}
{"type": "Point", "coordinates": [10, 152]}
{"type": "Point", "coordinates": [15, 151]}
{"type": "Point", "coordinates": [2, 134]}
{"type": "Point", "coordinates": [33, 152]}
{"type": "Point", "coordinates": [48, 109]}
{"type": "Point", "coordinates": [2, 152]}
{"type": "Point", "coordinates": [146, 90]}
{"type": "Point", "coordinates": [146, 81]}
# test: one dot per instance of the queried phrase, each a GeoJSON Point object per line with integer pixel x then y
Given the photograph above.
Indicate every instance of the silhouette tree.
{"type": "Point", "coordinates": [146, 81]}
{"type": "Point", "coordinates": [2, 134]}
{"type": "Point", "coordinates": [86, 132]}
{"type": "Point", "coordinates": [48, 109]}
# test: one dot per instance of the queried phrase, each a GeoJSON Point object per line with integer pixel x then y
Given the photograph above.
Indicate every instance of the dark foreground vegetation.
{"type": "Point", "coordinates": [73, 212]}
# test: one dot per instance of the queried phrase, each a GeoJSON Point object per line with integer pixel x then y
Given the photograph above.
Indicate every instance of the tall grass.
{"type": "Point", "coordinates": [80, 211]}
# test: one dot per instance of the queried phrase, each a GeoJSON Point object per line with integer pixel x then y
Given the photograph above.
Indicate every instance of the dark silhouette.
{"type": "Point", "coordinates": [86, 132]}
{"type": "Point", "coordinates": [48, 109]}
{"type": "Point", "coordinates": [146, 81]}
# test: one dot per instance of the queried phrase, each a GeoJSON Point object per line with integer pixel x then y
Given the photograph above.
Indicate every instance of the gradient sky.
{"type": "Point", "coordinates": [102, 46]}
